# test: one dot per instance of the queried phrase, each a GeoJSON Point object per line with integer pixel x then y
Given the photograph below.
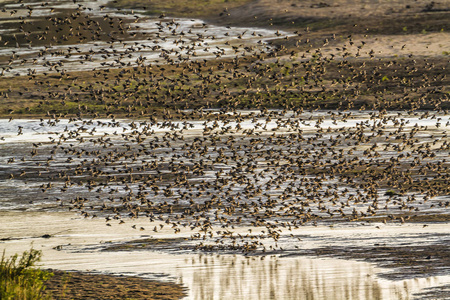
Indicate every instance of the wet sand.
{"type": "Point", "coordinates": [132, 34]}
{"type": "Point", "coordinates": [146, 249]}
{"type": "Point", "coordinates": [72, 243]}
{"type": "Point", "coordinates": [398, 32]}
{"type": "Point", "coordinates": [80, 285]}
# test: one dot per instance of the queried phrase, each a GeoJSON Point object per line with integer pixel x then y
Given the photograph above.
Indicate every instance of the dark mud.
{"type": "Point", "coordinates": [152, 244]}
{"type": "Point", "coordinates": [77, 286]}
{"type": "Point", "coordinates": [404, 262]}
{"type": "Point", "coordinates": [441, 292]}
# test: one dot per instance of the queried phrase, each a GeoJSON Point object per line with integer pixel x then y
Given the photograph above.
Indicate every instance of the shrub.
{"type": "Point", "coordinates": [18, 278]}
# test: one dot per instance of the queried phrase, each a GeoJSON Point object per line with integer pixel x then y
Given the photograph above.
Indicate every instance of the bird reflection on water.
{"type": "Point", "coordinates": [212, 171]}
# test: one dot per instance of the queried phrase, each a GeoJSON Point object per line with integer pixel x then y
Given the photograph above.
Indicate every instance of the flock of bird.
{"type": "Point", "coordinates": [264, 135]}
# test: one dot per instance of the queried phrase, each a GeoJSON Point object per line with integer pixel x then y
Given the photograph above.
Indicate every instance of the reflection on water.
{"type": "Point", "coordinates": [27, 162]}
{"type": "Point", "coordinates": [282, 278]}
{"type": "Point", "coordinates": [204, 276]}
{"type": "Point", "coordinates": [239, 277]}
{"type": "Point", "coordinates": [226, 277]}
{"type": "Point", "coordinates": [61, 36]}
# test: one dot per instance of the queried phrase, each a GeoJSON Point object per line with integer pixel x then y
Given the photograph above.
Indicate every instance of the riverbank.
{"type": "Point", "coordinates": [331, 66]}
{"type": "Point", "coordinates": [376, 17]}
{"type": "Point", "coordinates": [81, 285]}
{"type": "Point", "coordinates": [202, 152]}
{"type": "Point", "coordinates": [72, 243]}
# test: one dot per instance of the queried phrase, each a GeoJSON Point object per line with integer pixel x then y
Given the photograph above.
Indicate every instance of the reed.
{"type": "Point", "coordinates": [19, 279]}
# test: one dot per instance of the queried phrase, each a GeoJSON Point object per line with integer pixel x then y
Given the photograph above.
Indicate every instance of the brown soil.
{"type": "Point", "coordinates": [152, 244]}
{"type": "Point", "coordinates": [77, 285]}
{"type": "Point", "coordinates": [291, 14]}
{"type": "Point", "coordinates": [382, 16]}
{"type": "Point", "coordinates": [393, 31]}
{"type": "Point", "coordinates": [339, 17]}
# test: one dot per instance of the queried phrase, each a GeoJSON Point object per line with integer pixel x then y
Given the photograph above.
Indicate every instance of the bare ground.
{"type": "Point", "coordinates": [77, 285]}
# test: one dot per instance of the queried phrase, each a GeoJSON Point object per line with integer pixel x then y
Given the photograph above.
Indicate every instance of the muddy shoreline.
{"type": "Point", "coordinates": [376, 45]}
{"type": "Point", "coordinates": [375, 56]}
{"type": "Point", "coordinates": [400, 262]}
{"type": "Point", "coordinates": [99, 251]}
{"type": "Point", "coordinates": [82, 285]}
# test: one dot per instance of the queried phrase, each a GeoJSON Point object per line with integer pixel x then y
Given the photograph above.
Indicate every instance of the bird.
{"type": "Point", "coordinates": [212, 130]}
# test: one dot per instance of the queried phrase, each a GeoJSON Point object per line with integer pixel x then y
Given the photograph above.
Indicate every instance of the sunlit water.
{"type": "Point", "coordinates": [20, 136]}
{"type": "Point", "coordinates": [206, 276]}
{"type": "Point", "coordinates": [148, 39]}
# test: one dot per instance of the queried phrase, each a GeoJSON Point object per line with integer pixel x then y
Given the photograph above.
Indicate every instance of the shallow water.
{"type": "Point", "coordinates": [33, 130]}
{"type": "Point", "coordinates": [19, 137]}
{"type": "Point", "coordinates": [119, 38]}
{"type": "Point", "coordinates": [206, 276]}
{"type": "Point", "coordinates": [80, 244]}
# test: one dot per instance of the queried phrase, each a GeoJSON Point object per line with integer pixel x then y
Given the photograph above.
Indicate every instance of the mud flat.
{"type": "Point", "coordinates": [275, 149]}
{"type": "Point", "coordinates": [72, 243]}
{"type": "Point", "coordinates": [87, 50]}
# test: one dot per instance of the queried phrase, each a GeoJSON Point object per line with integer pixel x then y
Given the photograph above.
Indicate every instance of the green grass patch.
{"type": "Point", "coordinates": [20, 280]}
